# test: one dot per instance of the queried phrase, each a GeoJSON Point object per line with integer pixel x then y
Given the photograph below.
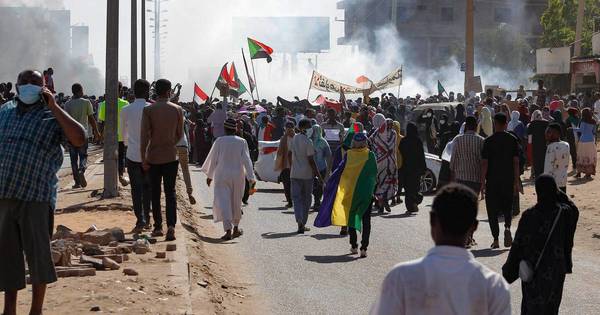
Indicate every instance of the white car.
{"type": "Point", "coordinates": [264, 168]}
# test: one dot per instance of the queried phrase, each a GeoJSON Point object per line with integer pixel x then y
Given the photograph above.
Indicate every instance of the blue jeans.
{"type": "Point", "coordinates": [141, 195]}
{"type": "Point", "coordinates": [301, 190]}
{"type": "Point", "coordinates": [78, 157]}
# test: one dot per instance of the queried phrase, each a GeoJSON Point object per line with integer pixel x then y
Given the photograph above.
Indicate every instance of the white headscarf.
{"type": "Point", "coordinates": [514, 120]}
{"type": "Point", "coordinates": [379, 122]}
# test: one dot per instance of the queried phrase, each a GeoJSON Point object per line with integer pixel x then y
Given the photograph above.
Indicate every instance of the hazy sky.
{"type": "Point", "coordinates": [192, 26]}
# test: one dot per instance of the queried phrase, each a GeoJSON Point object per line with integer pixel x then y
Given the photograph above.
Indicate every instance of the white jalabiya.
{"type": "Point", "coordinates": [227, 164]}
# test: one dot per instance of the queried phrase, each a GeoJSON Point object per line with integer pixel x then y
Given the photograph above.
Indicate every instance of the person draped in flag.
{"type": "Point", "coordinates": [383, 144]}
{"type": "Point", "coordinates": [227, 164]}
{"type": "Point", "coordinates": [348, 195]}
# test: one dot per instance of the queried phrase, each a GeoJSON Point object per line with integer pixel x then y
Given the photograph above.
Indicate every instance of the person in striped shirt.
{"type": "Point", "coordinates": [465, 163]}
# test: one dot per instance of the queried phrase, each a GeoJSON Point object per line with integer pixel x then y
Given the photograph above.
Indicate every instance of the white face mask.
{"type": "Point", "coordinates": [442, 122]}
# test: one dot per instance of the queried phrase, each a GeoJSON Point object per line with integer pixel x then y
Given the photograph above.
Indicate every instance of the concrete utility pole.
{"type": "Point", "coordinates": [112, 95]}
{"type": "Point", "coordinates": [143, 33]}
{"type": "Point", "coordinates": [579, 27]}
{"type": "Point", "coordinates": [157, 39]}
{"type": "Point", "coordinates": [578, 38]}
{"type": "Point", "coordinates": [134, 12]}
{"type": "Point", "coordinates": [469, 48]}
{"type": "Point", "coordinates": [395, 13]}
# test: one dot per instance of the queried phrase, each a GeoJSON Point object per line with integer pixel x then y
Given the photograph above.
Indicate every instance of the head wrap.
{"type": "Point", "coordinates": [537, 115]}
{"type": "Point", "coordinates": [230, 124]}
{"type": "Point", "coordinates": [514, 120]}
{"type": "Point", "coordinates": [317, 136]}
{"type": "Point", "coordinates": [379, 122]}
{"type": "Point", "coordinates": [359, 141]}
{"type": "Point", "coordinates": [485, 121]}
{"type": "Point", "coordinates": [546, 189]}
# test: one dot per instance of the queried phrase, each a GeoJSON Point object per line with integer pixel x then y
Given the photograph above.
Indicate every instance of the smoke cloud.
{"type": "Point", "coordinates": [35, 38]}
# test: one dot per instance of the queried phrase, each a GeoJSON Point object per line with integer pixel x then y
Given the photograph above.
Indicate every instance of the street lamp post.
{"type": "Point", "coordinates": [111, 99]}
{"type": "Point", "coordinates": [133, 41]}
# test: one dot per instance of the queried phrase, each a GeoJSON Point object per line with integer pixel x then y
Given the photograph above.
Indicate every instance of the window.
{"type": "Point", "coordinates": [502, 15]}
{"type": "Point", "coordinates": [447, 14]}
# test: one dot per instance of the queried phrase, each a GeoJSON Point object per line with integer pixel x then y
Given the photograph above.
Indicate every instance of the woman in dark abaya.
{"type": "Point", "coordinates": [460, 114]}
{"type": "Point", "coordinates": [430, 127]}
{"type": "Point", "coordinates": [413, 167]}
{"type": "Point", "coordinates": [543, 293]}
{"type": "Point", "coordinates": [537, 133]}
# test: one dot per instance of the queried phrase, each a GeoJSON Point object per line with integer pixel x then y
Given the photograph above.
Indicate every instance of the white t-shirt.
{"type": "Point", "coordinates": [302, 150]}
{"type": "Point", "coordinates": [447, 281]}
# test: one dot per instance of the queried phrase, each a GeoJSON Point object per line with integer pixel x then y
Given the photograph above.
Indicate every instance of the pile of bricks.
{"type": "Point", "coordinates": [81, 254]}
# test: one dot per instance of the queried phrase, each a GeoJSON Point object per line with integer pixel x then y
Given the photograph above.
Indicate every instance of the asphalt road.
{"type": "Point", "coordinates": [314, 273]}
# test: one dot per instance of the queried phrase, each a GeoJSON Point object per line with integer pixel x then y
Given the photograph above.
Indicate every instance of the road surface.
{"type": "Point", "coordinates": [314, 273]}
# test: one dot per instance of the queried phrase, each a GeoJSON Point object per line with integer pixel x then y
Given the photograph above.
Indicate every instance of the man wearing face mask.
{"type": "Point", "coordinates": [28, 186]}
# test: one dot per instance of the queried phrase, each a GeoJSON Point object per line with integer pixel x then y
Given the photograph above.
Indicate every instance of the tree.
{"type": "Point", "coordinates": [559, 22]}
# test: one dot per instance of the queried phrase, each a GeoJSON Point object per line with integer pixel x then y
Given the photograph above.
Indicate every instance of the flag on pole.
{"type": "Point", "coordinates": [223, 81]}
{"type": "Point", "coordinates": [441, 89]}
{"type": "Point", "coordinates": [199, 95]}
{"type": "Point", "coordinates": [259, 50]}
{"type": "Point", "coordinates": [236, 87]}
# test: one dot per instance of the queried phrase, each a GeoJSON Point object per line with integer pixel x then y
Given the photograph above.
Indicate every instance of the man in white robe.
{"type": "Point", "coordinates": [227, 164]}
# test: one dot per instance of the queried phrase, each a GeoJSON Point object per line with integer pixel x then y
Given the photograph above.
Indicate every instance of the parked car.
{"type": "Point", "coordinates": [264, 168]}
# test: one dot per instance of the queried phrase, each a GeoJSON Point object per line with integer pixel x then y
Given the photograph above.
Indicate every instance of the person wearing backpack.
{"type": "Point", "coordinates": [541, 253]}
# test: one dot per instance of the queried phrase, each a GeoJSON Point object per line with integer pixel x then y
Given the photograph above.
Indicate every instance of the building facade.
{"type": "Point", "coordinates": [430, 28]}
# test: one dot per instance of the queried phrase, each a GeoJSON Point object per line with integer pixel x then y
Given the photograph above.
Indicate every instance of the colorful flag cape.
{"type": "Point", "coordinates": [259, 50]}
{"type": "Point", "coordinates": [349, 190]}
{"type": "Point", "coordinates": [199, 95]}
{"type": "Point", "coordinates": [441, 89]}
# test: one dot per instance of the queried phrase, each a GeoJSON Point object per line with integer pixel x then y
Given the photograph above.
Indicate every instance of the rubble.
{"type": "Point", "coordinates": [110, 264]}
{"type": "Point", "coordinates": [130, 272]}
{"type": "Point", "coordinates": [161, 255]}
{"type": "Point", "coordinates": [171, 247]}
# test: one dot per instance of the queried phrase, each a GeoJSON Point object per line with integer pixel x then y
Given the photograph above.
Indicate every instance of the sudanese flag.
{"type": "Point", "coordinates": [259, 50]}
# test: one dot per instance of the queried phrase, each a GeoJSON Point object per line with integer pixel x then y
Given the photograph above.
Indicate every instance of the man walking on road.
{"type": "Point", "coordinates": [465, 163]}
{"type": "Point", "coordinates": [500, 177]}
{"type": "Point", "coordinates": [448, 280]}
{"type": "Point", "coordinates": [28, 198]}
{"type": "Point", "coordinates": [227, 164]}
{"type": "Point", "coordinates": [81, 110]}
{"type": "Point", "coordinates": [131, 125]}
{"type": "Point", "coordinates": [162, 127]}
{"type": "Point", "coordinates": [302, 173]}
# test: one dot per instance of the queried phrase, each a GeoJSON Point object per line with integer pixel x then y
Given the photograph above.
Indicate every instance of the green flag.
{"type": "Point", "coordinates": [259, 50]}
{"type": "Point", "coordinates": [441, 89]}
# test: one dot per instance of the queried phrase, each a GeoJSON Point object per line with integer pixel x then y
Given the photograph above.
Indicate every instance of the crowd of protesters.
{"type": "Point", "coordinates": [485, 144]}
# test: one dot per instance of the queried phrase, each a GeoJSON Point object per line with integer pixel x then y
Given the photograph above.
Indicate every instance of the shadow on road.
{"type": "Point", "coordinates": [327, 236]}
{"type": "Point", "coordinates": [272, 208]}
{"type": "Point", "coordinates": [272, 235]}
{"type": "Point", "coordinates": [203, 238]}
{"type": "Point", "coordinates": [331, 259]}
{"type": "Point", "coordinates": [488, 252]}
{"type": "Point", "coordinates": [270, 191]}
{"type": "Point", "coordinates": [397, 216]}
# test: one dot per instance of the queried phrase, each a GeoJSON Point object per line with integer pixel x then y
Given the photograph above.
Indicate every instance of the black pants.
{"type": "Point", "coordinates": [318, 188]}
{"type": "Point", "coordinates": [412, 185]}
{"type": "Point", "coordinates": [141, 195]}
{"type": "Point", "coordinates": [284, 177]}
{"type": "Point", "coordinates": [366, 231]}
{"type": "Point", "coordinates": [78, 157]}
{"type": "Point", "coordinates": [167, 174]}
{"type": "Point", "coordinates": [499, 203]}
{"type": "Point", "coordinates": [246, 192]}
{"type": "Point", "coordinates": [121, 152]}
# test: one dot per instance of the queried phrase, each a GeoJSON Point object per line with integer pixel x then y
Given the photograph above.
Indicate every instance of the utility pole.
{"type": "Point", "coordinates": [395, 13]}
{"type": "Point", "coordinates": [578, 37]}
{"type": "Point", "coordinates": [469, 48]}
{"type": "Point", "coordinates": [111, 98]}
{"type": "Point", "coordinates": [133, 42]}
{"type": "Point", "coordinates": [143, 33]}
{"type": "Point", "coordinates": [157, 39]}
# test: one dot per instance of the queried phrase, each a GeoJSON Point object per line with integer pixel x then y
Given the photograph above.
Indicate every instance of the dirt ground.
{"type": "Point", "coordinates": [212, 282]}
{"type": "Point", "coordinates": [585, 194]}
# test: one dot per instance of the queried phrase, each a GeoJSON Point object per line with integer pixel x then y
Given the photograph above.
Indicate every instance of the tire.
{"type": "Point", "coordinates": [428, 182]}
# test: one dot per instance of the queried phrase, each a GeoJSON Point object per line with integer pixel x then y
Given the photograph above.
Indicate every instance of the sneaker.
{"type": "Point", "coordinates": [353, 250]}
{"type": "Point", "coordinates": [495, 244]}
{"type": "Point", "coordinates": [76, 186]}
{"type": "Point", "coordinates": [306, 228]}
{"type": "Point", "coordinates": [507, 238]}
{"type": "Point", "coordinates": [192, 199]}
{"type": "Point", "coordinates": [170, 234]}
{"type": "Point", "coordinates": [289, 205]}
{"type": "Point", "coordinates": [157, 232]}
{"type": "Point", "coordinates": [82, 180]}
{"type": "Point", "coordinates": [363, 253]}
{"type": "Point", "coordinates": [124, 181]}
{"type": "Point", "coordinates": [344, 231]}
